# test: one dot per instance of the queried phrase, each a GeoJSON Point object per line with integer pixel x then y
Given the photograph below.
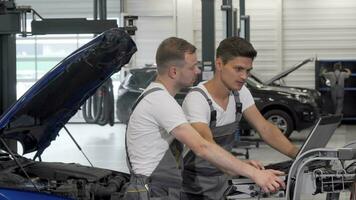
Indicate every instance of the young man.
{"type": "Point", "coordinates": [214, 109]}
{"type": "Point", "coordinates": [157, 121]}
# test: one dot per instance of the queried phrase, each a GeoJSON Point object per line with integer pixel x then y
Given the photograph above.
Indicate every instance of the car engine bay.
{"type": "Point", "coordinates": [69, 180]}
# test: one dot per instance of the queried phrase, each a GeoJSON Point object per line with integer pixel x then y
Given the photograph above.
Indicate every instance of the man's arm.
{"type": "Point", "coordinates": [269, 132]}
{"type": "Point", "coordinates": [322, 72]}
{"type": "Point", "coordinates": [348, 71]}
{"type": "Point", "coordinates": [204, 130]}
{"type": "Point", "coordinates": [266, 179]}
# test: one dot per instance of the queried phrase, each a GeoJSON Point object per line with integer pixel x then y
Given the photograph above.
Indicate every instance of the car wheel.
{"type": "Point", "coordinates": [282, 120]}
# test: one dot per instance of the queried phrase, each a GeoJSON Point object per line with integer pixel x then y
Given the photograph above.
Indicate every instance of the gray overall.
{"type": "Point", "coordinates": [165, 181]}
{"type": "Point", "coordinates": [201, 180]}
{"type": "Point", "coordinates": [337, 79]}
{"type": "Point", "coordinates": [337, 91]}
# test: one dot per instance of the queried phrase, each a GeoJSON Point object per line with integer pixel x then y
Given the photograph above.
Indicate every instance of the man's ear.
{"type": "Point", "coordinates": [218, 64]}
{"type": "Point", "coordinates": [172, 71]}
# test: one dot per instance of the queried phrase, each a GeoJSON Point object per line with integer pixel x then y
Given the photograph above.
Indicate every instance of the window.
{"type": "Point", "coordinates": [36, 55]}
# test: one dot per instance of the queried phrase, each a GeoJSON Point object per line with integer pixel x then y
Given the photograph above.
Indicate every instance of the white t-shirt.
{"type": "Point", "coordinates": [196, 107]}
{"type": "Point", "coordinates": [148, 130]}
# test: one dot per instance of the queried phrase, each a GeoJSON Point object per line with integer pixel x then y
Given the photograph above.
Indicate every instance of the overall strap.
{"type": "Point", "coordinates": [142, 96]}
{"type": "Point", "coordinates": [223, 135]}
{"type": "Point", "coordinates": [238, 103]}
{"type": "Point", "coordinates": [212, 110]}
{"type": "Point", "coordinates": [132, 109]}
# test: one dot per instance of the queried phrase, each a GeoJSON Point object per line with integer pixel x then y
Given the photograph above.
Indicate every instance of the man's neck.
{"type": "Point", "coordinates": [217, 89]}
{"type": "Point", "coordinates": [169, 85]}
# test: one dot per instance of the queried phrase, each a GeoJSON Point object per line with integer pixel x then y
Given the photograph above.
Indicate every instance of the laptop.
{"type": "Point", "coordinates": [317, 138]}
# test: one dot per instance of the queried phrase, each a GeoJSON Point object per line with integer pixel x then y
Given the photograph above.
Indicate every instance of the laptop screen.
{"type": "Point", "coordinates": [321, 133]}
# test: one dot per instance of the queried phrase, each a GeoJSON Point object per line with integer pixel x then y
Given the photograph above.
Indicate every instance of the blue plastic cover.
{"type": "Point", "coordinates": [12, 194]}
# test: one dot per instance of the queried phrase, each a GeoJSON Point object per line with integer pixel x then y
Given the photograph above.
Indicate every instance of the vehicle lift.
{"type": "Point", "coordinates": [338, 174]}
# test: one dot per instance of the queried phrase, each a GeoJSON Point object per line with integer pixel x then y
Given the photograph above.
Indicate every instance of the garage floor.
{"type": "Point", "coordinates": [105, 147]}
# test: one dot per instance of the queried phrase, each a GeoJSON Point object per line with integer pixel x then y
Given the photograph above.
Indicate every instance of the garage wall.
{"type": "Point", "coordinates": [322, 28]}
{"type": "Point", "coordinates": [286, 32]}
{"type": "Point", "coordinates": [283, 31]}
{"type": "Point", "coordinates": [265, 35]}
{"type": "Point", "coordinates": [155, 22]}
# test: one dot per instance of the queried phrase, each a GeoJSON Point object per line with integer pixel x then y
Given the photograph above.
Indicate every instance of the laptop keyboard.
{"type": "Point", "coordinates": [283, 166]}
{"type": "Point", "coordinates": [286, 165]}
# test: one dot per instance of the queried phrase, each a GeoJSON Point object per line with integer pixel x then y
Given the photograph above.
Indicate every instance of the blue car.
{"type": "Point", "coordinates": [37, 117]}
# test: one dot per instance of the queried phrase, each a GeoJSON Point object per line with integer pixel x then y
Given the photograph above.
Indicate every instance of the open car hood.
{"type": "Point", "coordinates": [37, 117]}
{"type": "Point", "coordinates": [287, 71]}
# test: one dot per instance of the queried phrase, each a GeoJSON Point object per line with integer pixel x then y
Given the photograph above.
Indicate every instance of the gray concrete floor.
{"type": "Point", "coordinates": [105, 147]}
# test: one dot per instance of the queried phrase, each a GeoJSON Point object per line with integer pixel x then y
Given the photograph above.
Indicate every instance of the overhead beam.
{"type": "Point", "coordinates": [71, 26]}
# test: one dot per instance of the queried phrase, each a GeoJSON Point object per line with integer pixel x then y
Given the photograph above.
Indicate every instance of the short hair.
{"type": "Point", "coordinates": [172, 51]}
{"type": "Point", "coordinates": [233, 47]}
{"type": "Point", "coordinates": [338, 66]}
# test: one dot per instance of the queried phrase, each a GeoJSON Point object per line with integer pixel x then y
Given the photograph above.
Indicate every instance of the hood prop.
{"type": "Point", "coordinates": [18, 163]}
{"type": "Point", "coordinates": [38, 155]}
{"type": "Point", "coordinates": [76, 143]}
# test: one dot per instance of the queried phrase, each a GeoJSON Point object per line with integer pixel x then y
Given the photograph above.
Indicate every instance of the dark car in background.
{"type": "Point", "coordinates": [290, 108]}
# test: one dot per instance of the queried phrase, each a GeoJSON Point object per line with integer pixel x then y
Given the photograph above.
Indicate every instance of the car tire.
{"type": "Point", "coordinates": [282, 120]}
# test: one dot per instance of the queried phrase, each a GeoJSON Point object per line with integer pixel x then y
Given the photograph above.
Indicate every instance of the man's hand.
{"type": "Point", "coordinates": [268, 180]}
{"type": "Point", "coordinates": [255, 163]}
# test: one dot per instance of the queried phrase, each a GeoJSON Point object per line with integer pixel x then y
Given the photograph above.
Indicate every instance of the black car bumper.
{"type": "Point", "coordinates": [306, 116]}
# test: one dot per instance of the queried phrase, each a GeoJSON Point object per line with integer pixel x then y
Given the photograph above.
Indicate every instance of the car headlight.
{"type": "Point", "coordinates": [302, 98]}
